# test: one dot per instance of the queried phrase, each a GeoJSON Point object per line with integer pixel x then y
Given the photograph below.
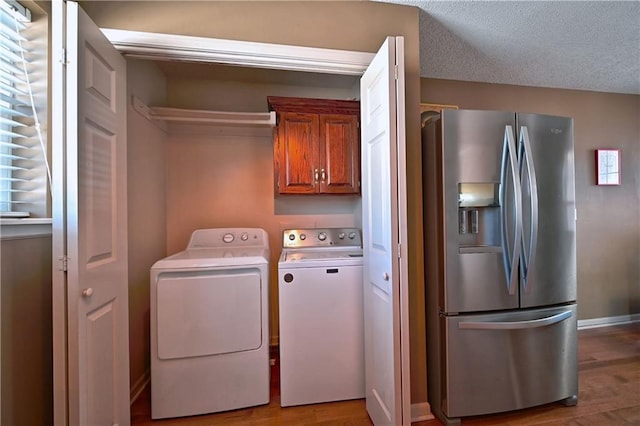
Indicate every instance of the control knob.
{"type": "Point", "coordinates": [352, 235]}
{"type": "Point", "coordinates": [322, 236]}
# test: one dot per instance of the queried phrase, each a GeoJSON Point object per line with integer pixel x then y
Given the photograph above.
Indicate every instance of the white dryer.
{"type": "Point", "coordinates": [209, 324]}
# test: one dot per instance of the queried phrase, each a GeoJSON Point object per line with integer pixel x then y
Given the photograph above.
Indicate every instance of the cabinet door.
{"type": "Point", "coordinates": [339, 154]}
{"type": "Point", "coordinates": [297, 155]}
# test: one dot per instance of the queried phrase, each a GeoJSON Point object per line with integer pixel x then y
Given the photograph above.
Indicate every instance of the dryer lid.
{"type": "Point", "coordinates": [214, 257]}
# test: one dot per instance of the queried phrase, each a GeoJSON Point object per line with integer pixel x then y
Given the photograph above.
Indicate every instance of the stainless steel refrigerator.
{"type": "Point", "coordinates": [500, 261]}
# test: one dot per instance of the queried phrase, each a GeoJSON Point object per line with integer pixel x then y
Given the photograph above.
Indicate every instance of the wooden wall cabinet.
{"type": "Point", "coordinates": [316, 146]}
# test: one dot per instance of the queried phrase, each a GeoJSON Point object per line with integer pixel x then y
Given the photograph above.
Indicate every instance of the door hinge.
{"type": "Point", "coordinates": [399, 251]}
{"type": "Point", "coordinates": [395, 72]}
{"type": "Point", "coordinates": [64, 263]}
{"type": "Point", "coordinates": [63, 57]}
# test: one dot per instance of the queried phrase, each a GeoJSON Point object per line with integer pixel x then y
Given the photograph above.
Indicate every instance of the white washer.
{"type": "Point", "coordinates": [321, 316]}
{"type": "Point", "coordinates": [209, 324]}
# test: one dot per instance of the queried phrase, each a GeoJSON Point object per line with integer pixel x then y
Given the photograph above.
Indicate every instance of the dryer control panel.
{"type": "Point", "coordinates": [228, 237]}
{"type": "Point", "coordinates": [321, 237]}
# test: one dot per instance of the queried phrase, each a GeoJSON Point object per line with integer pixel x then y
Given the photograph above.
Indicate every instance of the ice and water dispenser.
{"type": "Point", "coordinates": [479, 217]}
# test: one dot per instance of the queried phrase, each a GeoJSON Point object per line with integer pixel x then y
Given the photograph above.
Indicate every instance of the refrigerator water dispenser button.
{"type": "Point", "coordinates": [474, 221]}
{"type": "Point", "coordinates": [463, 221]}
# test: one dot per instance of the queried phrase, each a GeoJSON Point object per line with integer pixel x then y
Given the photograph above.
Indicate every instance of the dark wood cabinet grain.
{"type": "Point", "coordinates": [316, 146]}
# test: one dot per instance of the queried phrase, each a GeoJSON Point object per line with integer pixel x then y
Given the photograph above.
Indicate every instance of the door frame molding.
{"type": "Point", "coordinates": [58, 214]}
{"type": "Point", "coordinates": [170, 47]}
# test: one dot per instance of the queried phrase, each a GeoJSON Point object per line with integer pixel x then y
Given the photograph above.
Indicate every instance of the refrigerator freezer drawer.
{"type": "Point", "coordinates": [508, 361]}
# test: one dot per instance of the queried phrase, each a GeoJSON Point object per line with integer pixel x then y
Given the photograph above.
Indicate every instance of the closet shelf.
{"type": "Point", "coordinates": [199, 116]}
{"type": "Point", "coordinates": [221, 118]}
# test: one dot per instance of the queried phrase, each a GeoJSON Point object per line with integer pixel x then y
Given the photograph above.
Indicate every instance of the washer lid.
{"type": "Point", "coordinates": [309, 255]}
{"type": "Point", "coordinates": [214, 257]}
{"type": "Point", "coordinates": [320, 258]}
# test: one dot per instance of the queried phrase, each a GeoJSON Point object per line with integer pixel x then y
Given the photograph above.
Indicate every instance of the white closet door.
{"type": "Point", "coordinates": [384, 233]}
{"type": "Point", "coordinates": [90, 225]}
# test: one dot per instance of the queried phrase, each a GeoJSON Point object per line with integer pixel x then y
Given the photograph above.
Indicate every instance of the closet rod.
{"type": "Point", "coordinates": [252, 119]}
{"type": "Point", "coordinates": [199, 116]}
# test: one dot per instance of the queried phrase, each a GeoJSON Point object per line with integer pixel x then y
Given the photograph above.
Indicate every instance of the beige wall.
{"type": "Point", "coordinates": [27, 370]}
{"type": "Point", "coordinates": [147, 217]}
{"type": "Point", "coordinates": [224, 177]}
{"type": "Point", "coordinates": [340, 25]}
{"type": "Point", "coordinates": [608, 232]}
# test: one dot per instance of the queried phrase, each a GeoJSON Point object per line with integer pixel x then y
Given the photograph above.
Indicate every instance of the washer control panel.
{"type": "Point", "coordinates": [321, 237]}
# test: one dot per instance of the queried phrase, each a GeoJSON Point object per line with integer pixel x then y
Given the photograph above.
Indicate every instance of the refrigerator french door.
{"type": "Point", "coordinates": [501, 261]}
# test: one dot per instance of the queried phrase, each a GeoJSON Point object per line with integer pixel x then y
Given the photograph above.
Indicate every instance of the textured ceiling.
{"type": "Point", "coordinates": [585, 45]}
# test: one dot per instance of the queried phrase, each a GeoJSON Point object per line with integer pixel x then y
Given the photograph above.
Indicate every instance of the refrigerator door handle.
{"type": "Point", "coordinates": [515, 325]}
{"type": "Point", "coordinates": [528, 261]}
{"type": "Point", "coordinates": [510, 158]}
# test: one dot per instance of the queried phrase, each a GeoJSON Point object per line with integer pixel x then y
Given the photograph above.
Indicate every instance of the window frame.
{"type": "Point", "coordinates": [29, 197]}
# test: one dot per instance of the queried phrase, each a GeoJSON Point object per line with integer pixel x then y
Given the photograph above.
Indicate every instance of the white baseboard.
{"type": "Point", "coordinates": [421, 411]}
{"type": "Point", "coordinates": [607, 321]}
{"type": "Point", "coordinates": [139, 386]}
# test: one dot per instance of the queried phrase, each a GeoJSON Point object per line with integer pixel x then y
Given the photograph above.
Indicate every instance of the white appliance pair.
{"type": "Point", "coordinates": [320, 288]}
{"type": "Point", "coordinates": [209, 324]}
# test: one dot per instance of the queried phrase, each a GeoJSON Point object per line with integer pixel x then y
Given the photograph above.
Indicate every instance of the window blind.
{"type": "Point", "coordinates": [21, 143]}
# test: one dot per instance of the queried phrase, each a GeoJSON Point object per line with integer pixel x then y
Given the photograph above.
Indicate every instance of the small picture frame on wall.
{"type": "Point", "coordinates": [608, 171]}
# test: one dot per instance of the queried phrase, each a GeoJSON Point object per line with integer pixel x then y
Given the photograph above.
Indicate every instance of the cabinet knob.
{"type": "Point", "coordinates": [324, 175]}
{"type": "Point", "coordinates": [385, 276]}
{"type": "Point", "coordinates": [315, 174]}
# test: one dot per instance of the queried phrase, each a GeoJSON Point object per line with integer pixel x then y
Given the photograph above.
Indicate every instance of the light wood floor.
{"type": "Point", "coordinates": [609, 383]}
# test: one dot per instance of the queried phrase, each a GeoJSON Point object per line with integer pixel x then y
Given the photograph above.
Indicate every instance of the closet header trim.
{"type": "Point", "coordinates": [172, 47]}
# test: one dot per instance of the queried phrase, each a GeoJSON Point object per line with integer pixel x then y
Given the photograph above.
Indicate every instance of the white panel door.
{"type": "Point", "coordinates": [93, 222]}
{"type": "Point", "coordinates": [384, 232]}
